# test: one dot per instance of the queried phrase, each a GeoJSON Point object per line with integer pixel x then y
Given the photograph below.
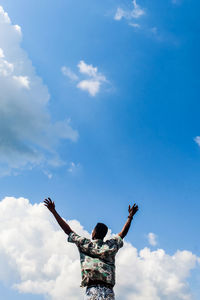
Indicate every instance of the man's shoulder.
{"type": "Point", "coordinates": [115, 241]}
{"type": "Point", "coordinates": [75, 238]}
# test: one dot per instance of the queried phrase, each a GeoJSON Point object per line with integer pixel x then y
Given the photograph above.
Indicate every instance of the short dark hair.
{"type": "Point", "coordinates": [100, 231]}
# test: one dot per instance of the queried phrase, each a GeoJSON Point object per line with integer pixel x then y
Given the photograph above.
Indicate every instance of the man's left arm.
{"type": "Point", "coordinates": [132, 211]}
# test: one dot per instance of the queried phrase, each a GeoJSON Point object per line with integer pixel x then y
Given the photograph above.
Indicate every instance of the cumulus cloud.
{"type": "Point", "coordinates": [28, 137]}
{"type": "Point", "coordinates": [36, 258]}
{"type": "Point", "coordinates": [93, 80]}
{"type": "Point", "coordinates": [152, 238]}
{"type": "Point", "coordinates": [135, 13]}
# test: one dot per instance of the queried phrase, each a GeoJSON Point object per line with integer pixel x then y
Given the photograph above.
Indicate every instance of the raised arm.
{"type": "Point", "coordinates": [132, 211]}
{"type": "Point", "coordinates": [51, 206]}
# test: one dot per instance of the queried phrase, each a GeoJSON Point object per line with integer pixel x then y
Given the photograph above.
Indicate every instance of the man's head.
{"type": "Point", "coordinates": [99, 231]}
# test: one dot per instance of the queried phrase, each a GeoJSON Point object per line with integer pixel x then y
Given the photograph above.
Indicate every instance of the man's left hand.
{"type": "Point", "coordinates": [49, 204]}
{"type": "Point", "coordinates": [132, 210]}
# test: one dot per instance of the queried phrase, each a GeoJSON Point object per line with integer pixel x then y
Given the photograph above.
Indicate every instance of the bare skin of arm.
{"type": "Point", "coordinates": [132, 211]}
{"type": "Point", "coordinates": [51, 207]}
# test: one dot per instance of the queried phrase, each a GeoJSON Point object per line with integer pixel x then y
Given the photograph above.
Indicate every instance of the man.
{"type": "Point", "coordinates": [97, 257]}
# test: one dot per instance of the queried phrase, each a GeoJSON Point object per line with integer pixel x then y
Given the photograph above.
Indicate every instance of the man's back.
{"type": "Point", "coordinates": [97, 258]}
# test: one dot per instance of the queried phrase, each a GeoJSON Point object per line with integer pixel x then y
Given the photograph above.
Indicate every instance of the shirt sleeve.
{"type": "Point", "coordinates": [77, 239]}
{"type": "Point", "coordinates": [116, 242]}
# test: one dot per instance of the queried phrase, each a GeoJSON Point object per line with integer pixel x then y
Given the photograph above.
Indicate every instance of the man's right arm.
{"type": "Point", "coordinates": [51, 206]}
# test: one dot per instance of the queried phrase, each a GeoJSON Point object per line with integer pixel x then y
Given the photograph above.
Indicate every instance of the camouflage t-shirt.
{"type": "Point", "coordinates": [97, 258]}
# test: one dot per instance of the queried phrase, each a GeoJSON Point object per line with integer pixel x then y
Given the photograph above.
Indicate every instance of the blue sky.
{"type": "Point", "coordinates": [129, 98]}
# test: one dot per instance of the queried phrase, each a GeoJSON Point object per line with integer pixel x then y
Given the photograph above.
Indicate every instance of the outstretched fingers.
{"type": "Point", "coordinates": [136, 208]}
{"type": "Point", "coordinates": [48, 203]}
{"type": "Point", "coordinates": [132, 210]}
{"type": "Point", "coordinates": [48, 200]}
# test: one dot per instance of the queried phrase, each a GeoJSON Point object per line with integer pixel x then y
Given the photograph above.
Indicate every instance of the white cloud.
{"type": "Point", "coordinates": [197, 140]}
{"type": "Point", "coordinates": [27, 135]}
{"type": "Point", "coordinates": [120, 13]}
{"type": "Point", "coordinates": [6, 68]}
{"type": "Point", "coordinates": [91, 84]}
{"type": "Point", "coordinates": [152, 238]}
{"type": "Point", "coordinates": [18, 28]}
{"type": "Point", "coordinates": [1, 53]}
{"type": "Point", "coordinates": [154, 275]}
{"type": "Point", "coordinates": [22, 81]}
{"type": "Point", "coordinates": [87, 69]}
{"type": "Point", "coordinates": [69, 73]}
{"type": "Point", "coordinates": [135, 25]}
{"type": "Point", "coordinates": [135, 13]}
{"type": "Point", "coordinates": [137, 10]}
{"type": "Point", "coordinates": [5, 18]}
{"type": "Point", "coordinates": [36, 258]}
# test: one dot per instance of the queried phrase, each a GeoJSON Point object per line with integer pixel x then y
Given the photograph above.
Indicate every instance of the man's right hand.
{"type": "Point", "coordinates": [49, 204]}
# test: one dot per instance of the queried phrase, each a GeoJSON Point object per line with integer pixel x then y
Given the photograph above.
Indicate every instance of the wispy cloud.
{"type": "Point", "coordinates": [48, 174]}
{"type": "Point", "coordinates": [154, 30]}
{"type": "Point", "coordinates": [73, 167]}
{"type": "Point", "coordinates": [135, 25]}
{"type": "Point", "coordinates": [93, 80]}
{"type": "Point", "coordinates": [135, 13]}
{"type": "Point", "coordinates": [197, 140]}
{"type": "Point", "coordinates": [69, 73]}
{"type": "Point", "coordinates": [133, 18]}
